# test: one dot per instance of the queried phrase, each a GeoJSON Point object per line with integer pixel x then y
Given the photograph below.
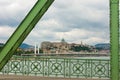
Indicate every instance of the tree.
{"type": "Point", "coordinates": [80, 48]}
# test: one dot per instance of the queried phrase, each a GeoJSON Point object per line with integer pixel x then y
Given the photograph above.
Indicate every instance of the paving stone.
{"type": "Point", "coordinates": [15, 77]}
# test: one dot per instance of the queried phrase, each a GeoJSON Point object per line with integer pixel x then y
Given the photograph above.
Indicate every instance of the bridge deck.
{"type": "Point", "coordinates": [14, 77]}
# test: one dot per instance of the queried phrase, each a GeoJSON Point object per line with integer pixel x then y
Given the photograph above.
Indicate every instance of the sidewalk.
{"type": "Point", "coordinates": [14, 77]}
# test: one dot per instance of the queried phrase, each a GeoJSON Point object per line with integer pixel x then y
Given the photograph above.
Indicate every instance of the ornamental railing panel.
{"type": "Point", "coordinates": [58, 67]}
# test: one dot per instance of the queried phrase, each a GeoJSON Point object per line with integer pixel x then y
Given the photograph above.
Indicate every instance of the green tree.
{"type": "Point", "coordinates": [80, 48]}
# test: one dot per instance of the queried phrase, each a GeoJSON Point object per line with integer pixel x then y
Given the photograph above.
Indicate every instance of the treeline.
{"type": "Point", "coordinates": [22, 51]}
{"type": "Point", "coordinates": [81, 48]}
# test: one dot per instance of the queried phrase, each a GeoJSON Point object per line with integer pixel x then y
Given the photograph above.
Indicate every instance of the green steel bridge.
{"type": "Point", "coordinates": [65, 67]}
{"type": "Point", "coordinates": [60, 67]}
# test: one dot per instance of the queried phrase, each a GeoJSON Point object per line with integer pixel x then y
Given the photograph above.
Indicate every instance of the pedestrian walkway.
{"type": "Point", "coordinates": [14, 77]}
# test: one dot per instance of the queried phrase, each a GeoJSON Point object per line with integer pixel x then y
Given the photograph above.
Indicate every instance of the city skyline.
{"type": "Point", "coordinates": [76, 21]}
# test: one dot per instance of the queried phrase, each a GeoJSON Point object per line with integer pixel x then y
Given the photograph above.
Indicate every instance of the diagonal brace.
{"type": "Point", "coordinates": [23, 30]}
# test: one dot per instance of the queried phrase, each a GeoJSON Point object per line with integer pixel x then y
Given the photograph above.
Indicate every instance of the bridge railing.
{"type": "Point", "coordinates": [57, 67]}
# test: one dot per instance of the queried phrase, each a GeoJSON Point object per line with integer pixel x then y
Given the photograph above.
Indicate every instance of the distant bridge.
{"type": "Point", "coordinates": [70, 55]}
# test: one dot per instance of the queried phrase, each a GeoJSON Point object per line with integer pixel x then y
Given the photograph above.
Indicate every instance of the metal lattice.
{"type": "Point", "coordinates": [58, 67]}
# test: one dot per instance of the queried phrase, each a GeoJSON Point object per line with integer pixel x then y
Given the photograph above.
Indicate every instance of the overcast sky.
{"type": "Point", "coordinates": [73, 20]}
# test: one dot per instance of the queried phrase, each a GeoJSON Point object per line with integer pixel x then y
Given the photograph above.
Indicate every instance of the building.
{"type": "Point", "coordinates": [59, 47]}
{"type": "Point", "coordinates": [55, 47]}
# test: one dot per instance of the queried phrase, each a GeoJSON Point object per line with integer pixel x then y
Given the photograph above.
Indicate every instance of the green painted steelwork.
{"type": "Point", "coordinates": [114, 38]}
{"type": "Point", "coordinates": [30, 21]}
{"type": "Point", "coordinates": [23, 30]}
{"type": "Point", "coordinates": [58, 67]}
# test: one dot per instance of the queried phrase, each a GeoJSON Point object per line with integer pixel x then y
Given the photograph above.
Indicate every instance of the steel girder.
{"type": "Point", "coordinates": [37, 12]}
{"type": "Point", "coordinates": [114, 39]}
{"type": "Point", "coordinates": [23, 30]}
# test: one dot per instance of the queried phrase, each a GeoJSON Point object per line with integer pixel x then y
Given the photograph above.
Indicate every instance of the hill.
{"type": "Point", "coordinates": [105, 46]}
{"type": "Point", "coordinates": [25, 46]}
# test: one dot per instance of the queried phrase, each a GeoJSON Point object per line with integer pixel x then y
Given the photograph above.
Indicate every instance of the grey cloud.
{"type": "Point", "coordinates": [13, 12]}
{"type": "Point", "coordinates": [72, 18]}
{"type": "Point", "coordinates": [62, 17]}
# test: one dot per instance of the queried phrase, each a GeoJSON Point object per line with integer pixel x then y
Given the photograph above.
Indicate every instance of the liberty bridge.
{"type": "Point", "coordinates": [59, 67]}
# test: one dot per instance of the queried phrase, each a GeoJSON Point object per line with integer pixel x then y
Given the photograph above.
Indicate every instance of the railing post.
{"type": "Point", "coordinates": [114, 39]}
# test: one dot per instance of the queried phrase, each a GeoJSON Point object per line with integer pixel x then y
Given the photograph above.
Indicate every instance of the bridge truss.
{"type": "Point", "coordinates": [114, 39]}
{"type": "Point", "coordinates": [35, 15]}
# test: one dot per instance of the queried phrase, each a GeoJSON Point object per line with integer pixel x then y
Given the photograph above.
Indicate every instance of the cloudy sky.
{"type": "Point", "coordinates": [73, 20]}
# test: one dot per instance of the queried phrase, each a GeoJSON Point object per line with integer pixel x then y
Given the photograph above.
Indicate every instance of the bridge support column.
{"type": "Point", "coordinates": [114, 39]}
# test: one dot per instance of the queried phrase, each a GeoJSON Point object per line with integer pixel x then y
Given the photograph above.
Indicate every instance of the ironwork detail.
{"type": "Point", "coordinates": [58, 67]}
